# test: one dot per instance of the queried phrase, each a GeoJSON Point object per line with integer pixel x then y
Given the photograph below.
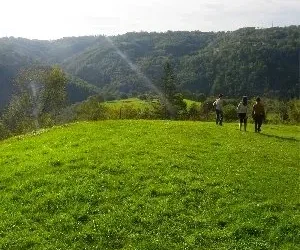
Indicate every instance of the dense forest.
{"type": "Point", "coordinates": [246, 61]}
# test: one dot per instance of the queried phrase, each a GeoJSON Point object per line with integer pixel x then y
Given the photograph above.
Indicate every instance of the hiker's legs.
{"type": "Point", "coordinates": [259, 123]}
{"type": "Point", "coordinates": [243, 120]}
{"type": "Point", "coordinates": [221, 117]}
{"type": "Point", "coordinates": [256, 125]}
{"type": "Point", "coordinates": [245, 124]}
{"type": "Point", "coordinates": [217, 116]}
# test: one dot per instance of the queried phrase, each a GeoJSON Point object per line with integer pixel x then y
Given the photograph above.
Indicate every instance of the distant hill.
{"type": "Point", "coordinates": [17, 53]}
{"type": "Point", "coordinates": [246, 61]}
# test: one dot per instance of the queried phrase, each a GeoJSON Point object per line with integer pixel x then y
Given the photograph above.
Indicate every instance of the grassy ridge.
{"type": "Point", "coordinates": [151, 185]}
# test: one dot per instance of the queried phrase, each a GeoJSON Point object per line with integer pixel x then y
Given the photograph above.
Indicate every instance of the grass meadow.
{"type": "Point", "coordinates": [138, 105]}
{"type": "Point", "coordinates": [151, 185]}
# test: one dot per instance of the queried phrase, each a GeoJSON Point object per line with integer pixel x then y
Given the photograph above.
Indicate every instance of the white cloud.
{"type": "Point", "coordinates": [45, 19]}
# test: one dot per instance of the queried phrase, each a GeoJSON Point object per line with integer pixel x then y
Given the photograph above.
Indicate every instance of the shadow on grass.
{"type": "Point", "coordinates": [280, 137]}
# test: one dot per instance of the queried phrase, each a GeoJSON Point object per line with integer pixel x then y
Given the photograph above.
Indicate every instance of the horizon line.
{"type": "Point", "coordinates": [143, 31]}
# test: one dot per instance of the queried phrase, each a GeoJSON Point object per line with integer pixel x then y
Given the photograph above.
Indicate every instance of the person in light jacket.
{"type": "Point", "coordinates": [218, 104]}
{"type": "Point", "coordinates": [242, 110]}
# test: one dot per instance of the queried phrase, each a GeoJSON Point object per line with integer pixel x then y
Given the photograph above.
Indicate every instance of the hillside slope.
{"type": "Point", "coordinates": [246, 61]}
{"type": "Point", "coordinates": [18, 53]}
{"type": "Point", "coordinates": [150, 185]}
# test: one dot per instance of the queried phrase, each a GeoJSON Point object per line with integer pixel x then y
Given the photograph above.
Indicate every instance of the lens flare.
{"type": "Point", "coordinates": [36, 102]}
{"type": "Point", "coordinates": [135, 69]}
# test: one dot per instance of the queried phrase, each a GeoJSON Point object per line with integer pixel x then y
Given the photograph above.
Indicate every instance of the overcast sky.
{"type": "Point", "coordinates": [52, 19]}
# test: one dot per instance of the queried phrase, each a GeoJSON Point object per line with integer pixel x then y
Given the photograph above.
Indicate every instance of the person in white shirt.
{"type": "Point", "coordinates": [218, 104]}
{"type": "Point", "coordinates": [242, 110]}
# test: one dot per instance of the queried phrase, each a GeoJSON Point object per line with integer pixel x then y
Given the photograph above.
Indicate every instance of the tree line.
{"type": "Point", "coordinates": [40, 101]}
{"type": "Point", "coordinates": [246, 61]}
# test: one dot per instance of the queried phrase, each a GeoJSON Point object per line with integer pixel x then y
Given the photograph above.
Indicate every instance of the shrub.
{"type": "Point", "coordinates": [124, 96]}
{"type": "Point", "coordinates": [143, 97]}
{"type": "Point", "coordinates": [207, 111]}
{"type": "Point", "coordinates": [4, 132]}
{"type": "Point", "coordinates": [128, 112]}
{"type": "Point", "coordinates": [90, 110]}
{"type": "Point", "coordinates": [194, 112]}
{"type": "Point", "coordinates": [294, 111]}
{"type": "Point", "coordinates": [230, 113]}
{"type": "Point", "coordinates": [201, 97]}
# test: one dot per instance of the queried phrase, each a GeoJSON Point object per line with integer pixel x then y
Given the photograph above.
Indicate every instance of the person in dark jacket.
{"type": "Point", "coordinates": [258, 114]}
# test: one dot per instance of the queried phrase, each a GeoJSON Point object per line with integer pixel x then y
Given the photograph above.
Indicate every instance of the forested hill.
{"type": "Point", "coordinates": [17, 53]}
{"type": "Point", "coordinates": [246, 61]}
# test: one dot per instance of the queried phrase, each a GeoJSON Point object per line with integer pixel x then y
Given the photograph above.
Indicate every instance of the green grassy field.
{"type": "Point", "coordinates": [151, 185]}
{"type": "Point", "coordinates": [140, 104]}
{"type": "Point", "coordinates": [125, 102]}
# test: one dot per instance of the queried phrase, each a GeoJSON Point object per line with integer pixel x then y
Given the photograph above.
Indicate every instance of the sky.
{"type": "Point", "coordinates": [54, 19]}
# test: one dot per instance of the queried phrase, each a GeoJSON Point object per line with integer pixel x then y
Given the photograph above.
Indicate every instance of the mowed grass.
{"type": "Point", "coordinates": [141, 104]}
{"type": "Point", "coordinates": [135, 102]}
{"type": "Point", "coordinates": [151, 185]}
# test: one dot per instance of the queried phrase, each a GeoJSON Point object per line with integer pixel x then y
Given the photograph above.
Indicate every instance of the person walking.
{"type": "Point", "coordinates": [258, 114]}
{"type": "Point", "coordinates": [242, 110]}
{"type": "Point", "coordinates": [218, 104]}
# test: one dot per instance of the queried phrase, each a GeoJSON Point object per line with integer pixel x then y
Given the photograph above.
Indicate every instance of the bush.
{"type": "Point", "coordinates": [66, 115]}
{"type": "Point", "coordinates": [110, 97]}
{"type": "Point", "coordinates": [128, 112]}
{"type": "Point", "coordinates": [294, 111]}
{"type": "Point", "coordinates": [46, 120]}
{"type": "Point", "coordinates": [158, 110]}
{"type": "Point", "coordinates": [96, 98]}
{"type": "Point", "coordinates": [143, 97]}
{"type": "Point", "coordinates": [4, 132]}
{"type": "Point", "coordinates": [201, 97]}
{"type": "Point", "coordinates": [207, 110]}
{"type": "Point", "coordinates": [124, 96]}
{"type": "Point", "coordinates": [273, 118]}
{"type": "Point", "coordinates": [91, 110]}
{"type": "Point", "coordinates": [194, 112]}
{"type": "Point", "coordinates": [230, 113]}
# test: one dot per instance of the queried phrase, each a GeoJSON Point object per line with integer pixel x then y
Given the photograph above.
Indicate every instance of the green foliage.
{"type": "Point", "coordinates": [246, 61]}
{"type": "Point", "coordinates": [201, 97]}
{"type": "Point", "coordinates": [79, 90]}
{"type": "Point", "coordinates": [40, 96]}
{"type": "Point", "coordinates": [132, 108]}
{"type": "Point", "coordinates": [194, 111]}
{"type": "Point", "coordinates": [150, 185]}
{"type": "Point", "coordinates": [294, 111]}
{"type": "Point", "coordinates": [230, 113]}
{"type": "Point", "coordinates": [279, 111]}
{"type": "Point", "coordinates": [96, 108]}
{"type": "Point", "coordinates": [4, 132]}
{"type": "Point", "coordinates": [54, 91]}
{"type": "Point", "coordinates": [18, 117]}
{"type": "Point", "coordinates": [180, 106]}
{"type": "Point", "coordinates": [92, 109]}
{"type": "Point", "coordinates": [172, 102]}
{"type": "Point", "coordinates": [124, 96]}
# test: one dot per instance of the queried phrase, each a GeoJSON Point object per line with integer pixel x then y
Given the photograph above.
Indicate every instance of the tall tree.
{"type": "Point", "coordinates": [54, 92]}
{"type": "Point", "coordinates": [40, 94]}
{"type": "Point", "coordinates": [173, 101]}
